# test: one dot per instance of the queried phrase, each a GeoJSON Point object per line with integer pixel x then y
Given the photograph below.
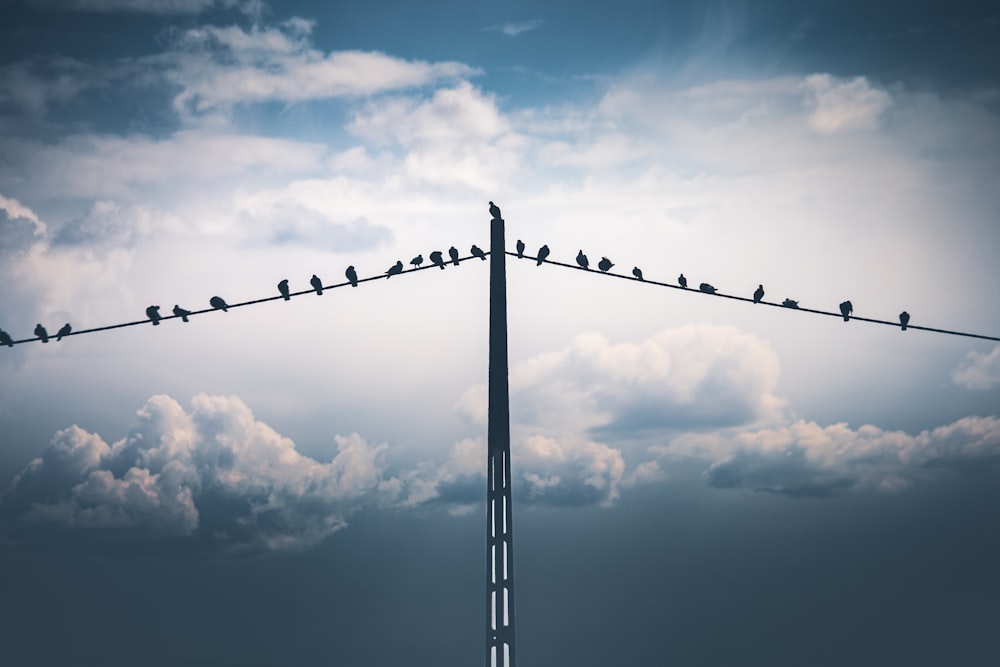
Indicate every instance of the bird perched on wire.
{"type": "Point", "coordinates": [5, 339]}
{"type": "Point", "coordinates": [317, 284]}
{"type": "Point", "coordinates": [637, 272]}
{"type": "Point", "coordinates": [706, 288]}
{"type": "Point", "coordinates": [219, 303]}
{"type": "Point", "coordinates": [63, 331]}
{"type": "Point", "coordinates": [283, 289]}
{"type": "Point", "coordinates": [495, 211]}
{"type": "Point", "coordinates": [42, 333]}
{"type": "Point", "coordinates": [417, 261]}
{"type": "Point", "coordinates": [605, 264]}
{"type": "Point", "coordinates": [477, 252]}
{"type": "Point", "coordinates": [352, 275]}
{"type": "Point", "coordinates": [582, 260]}
{"type": "Point", "coordinates": [520, 248]}
{"type": "Point", "coordinates": [758, 294]}
{"type": "Point", "coordinates": [181, 313]}
{"type": "Point", "coordinates": [453, 253]}
{"type": "Point", "coordinates": [543, 252]}
{"type": "Point", "coordinates": [682, 281]}
{"type": "Point", "coordinates": [153, 313]}
{"type": "Point", "coordinates": [438, 259]}
{"type": "Point", "coordinates": [789, 303]}
{"type": "Point", "coordinates": [904, 319]}
{"type": "Point", "coordinates": [846, 308]}
{"type": "Point", "coordinates": [395, 269]}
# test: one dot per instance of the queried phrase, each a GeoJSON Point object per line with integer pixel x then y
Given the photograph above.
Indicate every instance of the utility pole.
{"type": "Point", "coordinates": [499, 529]}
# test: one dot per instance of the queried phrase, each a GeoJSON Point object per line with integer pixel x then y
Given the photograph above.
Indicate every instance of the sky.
{"type": "Point", "coordinates": [696, 480]}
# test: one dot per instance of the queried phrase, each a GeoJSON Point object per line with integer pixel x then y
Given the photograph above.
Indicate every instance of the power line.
{"type": "Point", "coordinates": [734, 297]}
{"type": "Point", "coordinates": [252, 302]}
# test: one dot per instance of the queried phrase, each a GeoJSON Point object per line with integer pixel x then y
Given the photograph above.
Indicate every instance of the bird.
{"type": "Point", "coordinates": [317, 284]}
{"type": "Point", "coordinates": [637, 272]}
{"type": "Point", "coordinates": [438, 259]}
{"type": "Point", "coordinates": [495, 211]}
{"type": "Point", "coordinates": [789, 303]}
{"type": "Point", "coordinates": [904, 319]}
{"type": "Point", "coordinates": [283, 288]}
{"type": "Point", "coordinates": [605, 264]}
{"type": "Point", "coordinates": [682, 281]}
{"type": "Point", "coordinates": [352, 275]}
{"type": "Point", "coordinates": [5, 339]}
{"type": "Point", "coordinates": [42, 333]}
{"type": "Point", "coordinates": [153, 313]}
{"type": "Point", "coordinates": [846, 308]}
{"type": "Point", "coordinates": [417, 261]}
{"type": "Point", "coordinates": [758, 294]}
{"type": "Point", "coordinates": [520, 248]}
{"type": "Point", "coordinates": [181, 313]}
{"type": "Point", "coordinates": [706, 288]}
{"type": "Point", "coordinates": [543, 252]}
{"type": "Point", "coordinates": [63, 331]}
{"type": "Point", "coordinates": [478, 252]}
{"type": "Point", "coordinates": [395, 269]}
{"type": "Point", "coordinates": [453, 253]}
{"type": "Point", "coordinates": [219, 303]}
{"type": "Point", "coordinates": [582, 260]}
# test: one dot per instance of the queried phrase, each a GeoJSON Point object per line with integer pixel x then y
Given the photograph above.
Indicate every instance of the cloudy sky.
{"type": "Point", "coordinates": [697, 480]}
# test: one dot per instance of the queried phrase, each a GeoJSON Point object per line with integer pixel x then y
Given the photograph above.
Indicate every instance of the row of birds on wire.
{"type": "Point", "coordinates": [437, 259]}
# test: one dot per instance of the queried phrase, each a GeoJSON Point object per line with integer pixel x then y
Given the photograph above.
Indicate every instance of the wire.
{"type": "Point", "coordinates": [241, 304]}
{"type": "Point", "coordinates": [721, 295]}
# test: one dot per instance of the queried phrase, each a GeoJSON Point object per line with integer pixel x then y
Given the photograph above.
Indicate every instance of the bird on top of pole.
{"type": "Point", "coordinates": [495, 211]}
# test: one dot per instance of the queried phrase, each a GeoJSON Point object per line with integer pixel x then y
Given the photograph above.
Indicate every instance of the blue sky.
{"type": "Point", "coordinates": [695, 479]}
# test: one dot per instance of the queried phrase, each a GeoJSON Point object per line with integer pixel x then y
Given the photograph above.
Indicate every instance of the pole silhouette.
{"type": "Point", "coordinates": [499, 529]}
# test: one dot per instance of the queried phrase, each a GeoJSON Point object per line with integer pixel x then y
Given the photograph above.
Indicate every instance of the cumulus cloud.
{"type": "Point", "coordinates": [213, 472]}
{"type": "Point", "coordinates": [805, 459]}
{"type": "Point", "coordinates": [218, 67]}
{"type": "Point", "coordinates": [979, 371]}
{"type": "Point", "coordinates": [844, 105]}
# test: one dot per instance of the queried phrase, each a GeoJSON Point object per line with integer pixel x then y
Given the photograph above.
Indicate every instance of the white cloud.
{"type": "Point", "coordinates": [979, 371]}
{"type": "Point", "coordinates": [515, 28]}
{"type": "Point", "coordinates": [844, 105]}
{"type": "Point", "coordinates": [217, 68]}
{"type": "Point", "coordinates": [214, 472]}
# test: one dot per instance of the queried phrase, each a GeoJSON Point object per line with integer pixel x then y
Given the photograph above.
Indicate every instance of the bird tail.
{"type": "Point", "coordinates": [156, 323]}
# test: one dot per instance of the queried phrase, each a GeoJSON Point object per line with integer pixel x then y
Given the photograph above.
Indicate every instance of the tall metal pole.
{"type": "Point", "coordinates": [499, 529]}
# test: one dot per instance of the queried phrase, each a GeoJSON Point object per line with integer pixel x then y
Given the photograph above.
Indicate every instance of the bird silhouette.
{"type": "Point", "coordinates": [317, 284]}
{"type": "Point", "coordinates": [417, 261]}
{"type": "Point", "coordinates": [605, 264]}
{"type": "Point", "coordinates": [181, 313]}
{"type": "Point", "coordinates": [219, 303]}
{"type": "Point", "coordinates": [582, 260]}
{"type": "Point", "coordinates": [789, 303]}
{"type": "Point", "coordinates": [352, 275]}
{"type": "Point", "coordinates": [520, 248]}
{"type": "Point", "coordinates": [5, 339]}
{"type": "Point", "coordinates": [682, 281]}
{"type": "Point", "coordinates": [453, 253]}
{"type": "Point", "coordinates": [283, 289]}
{"type": "Point", "coordinates": [153, 313]}
{"type": "Point", "coordinates": [438, 259]}
{"type": "Point", "coordinates": [63, 331]}
{"type": "Point", "coordinates": [495, 211]}
{"type": "Point", "coordinates": [706, 288]}
{"type": "Point", "coordinates": [637, 272]}
{"type": "Point", "coordinates": [758, 294]}
{"type": "Point", "coordinates": [395, 269]}
{"type": "Point", "coordinates": [42, 333]}
{"type": "Point", "coordinates": [543, 252]}
{"type": "Point", "coordinates": [478, 252]}
{"type": "Point", "coordinates": [846, 308]}
{"type": "Point", "coordinates": [904, 319]}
